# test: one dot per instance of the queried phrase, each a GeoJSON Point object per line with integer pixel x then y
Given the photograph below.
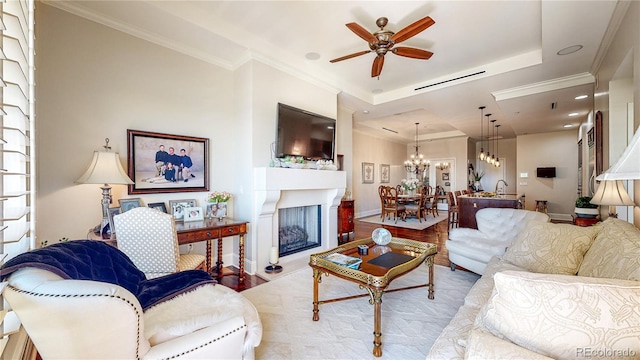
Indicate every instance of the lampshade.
{"type": "Point", "coordinates": [628, 166]}
{"type": "Point", "coordinates": [611, 192]}
{"type": "Point", "coordinates": [105, 168]}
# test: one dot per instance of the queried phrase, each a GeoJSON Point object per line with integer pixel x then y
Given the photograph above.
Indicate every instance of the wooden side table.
{"type": "Point", "coordinates": [582, 221]}
{"type": "Point", "coordinates": [345, 220]}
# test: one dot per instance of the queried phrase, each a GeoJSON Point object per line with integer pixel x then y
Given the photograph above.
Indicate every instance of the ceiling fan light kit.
{"type": "Point", "coordinates": [383, 41]}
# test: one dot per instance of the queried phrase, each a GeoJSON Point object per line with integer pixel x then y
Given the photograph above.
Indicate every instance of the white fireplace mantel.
{"type": "Point", "coordinates": [276, 188]}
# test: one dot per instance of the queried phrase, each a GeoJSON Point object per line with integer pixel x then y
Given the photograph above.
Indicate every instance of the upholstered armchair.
{"type": "Point", "coordinates": [497, 228]}
{"type": "Point", "coordinates": [148, 237]}
{"type": "Point", "coordinates": [86, 300]}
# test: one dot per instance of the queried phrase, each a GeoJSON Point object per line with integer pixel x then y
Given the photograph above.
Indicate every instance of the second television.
{"type": "Point", "coordinates": [303, 133]}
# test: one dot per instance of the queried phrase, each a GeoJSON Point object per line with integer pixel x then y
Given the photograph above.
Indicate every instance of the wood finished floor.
{"type": "Point", "coordinates": [436, 234]}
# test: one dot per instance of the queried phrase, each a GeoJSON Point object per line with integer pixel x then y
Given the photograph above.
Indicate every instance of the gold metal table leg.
{"type": "Point", "coordinates": [317, 278]}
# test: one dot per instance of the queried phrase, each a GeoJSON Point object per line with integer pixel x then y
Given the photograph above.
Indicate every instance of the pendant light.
{"type": "Point", "coordinates": [497, 153]}
{"type": "Point", "coordinates": [481, 156]}
{"type": "Point", "coordinates": [488, 156]}
{"type": "Point", "coordinates": [492, 161]}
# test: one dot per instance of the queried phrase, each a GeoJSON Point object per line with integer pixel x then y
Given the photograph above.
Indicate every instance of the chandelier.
{"type": "Point", "coordinates": [416, 163]}
{"type": "Point", "coordinates": [442, 166]}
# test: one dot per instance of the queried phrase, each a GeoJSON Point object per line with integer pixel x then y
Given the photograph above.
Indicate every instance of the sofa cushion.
{"type": "Point", "coordinates": [551, 248]}
{"type": "Point", "coordinates": [564, 316]}
{"type": "Point", "coordinates": [615, 253]}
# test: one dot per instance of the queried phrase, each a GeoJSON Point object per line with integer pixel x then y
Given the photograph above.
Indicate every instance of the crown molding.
{"type": "Point", "coordinates": [614, 24]}
{"type": "Point", "coordinates": [544, 86]}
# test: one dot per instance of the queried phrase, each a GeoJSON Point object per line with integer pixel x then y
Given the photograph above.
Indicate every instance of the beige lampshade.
{"type": "Point", "coordinates": [611, 192]}
{"type": "Point", "coordinates": [105, 168]}
{"type": "Point", "coordinates": [628, 166]}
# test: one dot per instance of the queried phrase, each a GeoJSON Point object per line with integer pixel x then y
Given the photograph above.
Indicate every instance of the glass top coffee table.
{"type": "Point", "coordinates": [378, 268]}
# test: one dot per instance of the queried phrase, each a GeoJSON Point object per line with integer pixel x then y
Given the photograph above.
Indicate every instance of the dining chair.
{"type": "Point", "coordinates": [391, 204]}
{"type": "Point", "coordinates": [148, 237]}
{"type": "Point", "coordinates": [453, 213]}
{"type": "Point", "coordinates": [415, 206]}
{"type": "Point", "coordinates": [382, 193]}
{"type": "Point", "coordinates": [430, 204]}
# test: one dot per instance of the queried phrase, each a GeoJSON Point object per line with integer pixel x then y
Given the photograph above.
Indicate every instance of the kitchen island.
{"type": "Point", "coordinates": [468, 205]}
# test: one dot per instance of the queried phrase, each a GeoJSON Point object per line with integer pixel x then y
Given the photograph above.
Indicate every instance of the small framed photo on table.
{"type": "Point", "coordinates": [160, 206]}
{"type": "Point", "coordinates": [193, 214]}
{"type": "Point", "coordinates": [177, 207]}
{"type": "Point", "coordinates": [128, 204]}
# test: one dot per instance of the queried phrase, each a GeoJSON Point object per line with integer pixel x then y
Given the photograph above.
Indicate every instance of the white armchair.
{"type": "Point", "coordinates": [497, 228]}
{"type": "Point", "coordinates": [87, 319]}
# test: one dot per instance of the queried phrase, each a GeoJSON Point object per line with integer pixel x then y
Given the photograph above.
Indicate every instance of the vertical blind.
{"type": "Point", "coordinates": [16, 139]}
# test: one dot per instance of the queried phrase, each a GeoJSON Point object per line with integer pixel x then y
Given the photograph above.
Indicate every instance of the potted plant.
{"type": "Point", "coordinates": [585, 209]}
{"type": "Point", "coordinates": [477, 176]}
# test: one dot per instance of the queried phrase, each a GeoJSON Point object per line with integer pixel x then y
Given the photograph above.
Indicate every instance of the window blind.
{"type": "Point", "coordinates": [17, 168]}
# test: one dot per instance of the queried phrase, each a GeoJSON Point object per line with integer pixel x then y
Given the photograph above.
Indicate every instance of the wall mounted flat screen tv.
{"type": "Point", "coordinates": [303, 133]}
{"type": "Point", "coordinates": [546, 172]}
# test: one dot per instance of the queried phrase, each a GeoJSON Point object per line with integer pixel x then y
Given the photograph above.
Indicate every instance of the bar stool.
{"type": "Point", "coordinates": [541, 206]}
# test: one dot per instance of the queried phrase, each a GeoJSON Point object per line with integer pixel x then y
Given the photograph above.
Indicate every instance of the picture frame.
{"type": "Point", "coordinates": [385, 173]}
{"type": "Point", "coordinates": [150, 176]}
{"type": "Point", "coordinates": [447, 184]}
{"type": "Point", "coordinates": [113, 211]}
{"type": "Point", "coordinates": [128, 204]}
{"type": "Point", "coordinates": [445, 176]}
{"type": "Point", "coordinates": [193, 214]}
{"type": "Point", "coordinates": [216, 210]}
{"type": "Point", "coordinates": [176, 207]}
{"type": "Point", "coordinates": [367, 173]}
{"type": "Point", "coordinates": [160, 206]}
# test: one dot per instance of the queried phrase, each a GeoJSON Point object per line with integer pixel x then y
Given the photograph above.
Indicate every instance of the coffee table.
{"type": "Point", "coordinates": [398, 258]}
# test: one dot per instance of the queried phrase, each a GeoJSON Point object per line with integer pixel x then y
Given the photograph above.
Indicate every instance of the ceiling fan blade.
{"type": "Point", "coordinates": [412, 52]}
{"type": "Point", "coordinates": [376, 69]}
{"type": "Point", "coordinates": [362, 32]}
{"type": "Point", "coordinates": [412, 30]}
{"type": "Point", "coordinates": [350, 56]}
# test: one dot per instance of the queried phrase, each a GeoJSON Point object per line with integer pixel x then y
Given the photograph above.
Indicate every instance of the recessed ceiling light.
{"type": "Point", "coordinates": [312, 56]}
{"type": "Point", "coordinates": [365, 111]}
{"type": "Point", "coordinates": [582, 97]}
{"type": "Point", "coordinates": [567, 125]}
{"type": "Point", "coordinates": [377, 91]}
{"type": "Point", "coordinates": [569, 50]}
{"type": "Point", "coordinates": [574, 114]}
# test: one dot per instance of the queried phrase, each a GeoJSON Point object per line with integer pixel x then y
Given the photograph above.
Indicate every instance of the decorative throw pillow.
{"type": "Point", "coordinates": [550, 248]}
{"type": "Point", "coordinates": [615, 253]}
{"type": "Point", "coordinates": [565, 317]}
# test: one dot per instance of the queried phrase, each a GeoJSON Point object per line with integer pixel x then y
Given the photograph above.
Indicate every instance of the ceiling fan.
{"type": "Point", "coordinates": [383, 41]}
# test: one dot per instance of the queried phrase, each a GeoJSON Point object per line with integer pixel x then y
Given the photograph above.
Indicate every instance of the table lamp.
{"type": "Point", "coordinates": [611, 191]}
{"type": "Point", "coordinates": [105, 168]}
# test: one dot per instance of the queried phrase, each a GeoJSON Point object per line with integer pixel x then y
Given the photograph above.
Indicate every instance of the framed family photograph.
{"type": "Point", "coordinates": [177, 208]}
{"type": "Point", "coordinates": [128, 204]}
{"type": "Point", "coordinates": [160, 206]}
{"type": "Point", "coordinates": [193, 214]}
{"type": "Point", "coordinates": [385, 173]}
{"type": "Point", "coordinates": [216, 210]}
{"type": "Point", "coordinates": [367, 173]}
{"type": "Point", "coordinates": [165, 163]}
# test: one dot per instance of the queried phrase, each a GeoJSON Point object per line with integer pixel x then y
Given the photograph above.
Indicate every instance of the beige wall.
{"type": "Point", "coordinates": [555, 149]}
{"type": "Point", "coordinates": [94, 82]}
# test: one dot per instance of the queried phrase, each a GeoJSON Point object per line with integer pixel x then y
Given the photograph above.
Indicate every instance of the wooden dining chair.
{"type": "Point", "coordinates": [430, 203]}
{"type": "Point", "coordinates": [453, 211]}
{"type": "Point", "coordinates": [416, 205]}
{"type": "Point", "coordinates": [391, 204]}
{"type": "Point", "coordinates": [382, 193]}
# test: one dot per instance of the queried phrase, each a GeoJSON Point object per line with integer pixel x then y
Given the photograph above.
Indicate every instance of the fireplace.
{"type": "Point", "coordinates": [281, 188]}
{"type": "Point", "coordinates": [299, 229]}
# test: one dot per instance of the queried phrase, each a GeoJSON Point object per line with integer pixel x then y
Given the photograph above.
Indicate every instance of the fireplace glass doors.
{"type": "Point", "coordinates": [299, 229]}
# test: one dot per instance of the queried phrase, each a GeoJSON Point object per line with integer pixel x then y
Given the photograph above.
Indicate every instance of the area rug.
{"type": "Point", "coordinates": [409, 223]}
{"type": "Point", "coordinates": [410, 321]}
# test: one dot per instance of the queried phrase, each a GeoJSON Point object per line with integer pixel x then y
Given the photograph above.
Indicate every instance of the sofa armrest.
{"type": "Point", "coordinates": [72, 309]}
{"type": "Point", "coordinates": [466, 233]}
{"type": "Point", "coordinates": [223, 340]}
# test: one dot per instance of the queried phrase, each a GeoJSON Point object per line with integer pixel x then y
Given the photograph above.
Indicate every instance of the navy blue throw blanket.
{"type": "Point", "coordinates": [98, 261]}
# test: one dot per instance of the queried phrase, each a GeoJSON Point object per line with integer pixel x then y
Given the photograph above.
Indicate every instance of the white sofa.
{"type": "Point", "coordinates": [560, 291]}
{"type": "Point", "coordinates": [472, 249]}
